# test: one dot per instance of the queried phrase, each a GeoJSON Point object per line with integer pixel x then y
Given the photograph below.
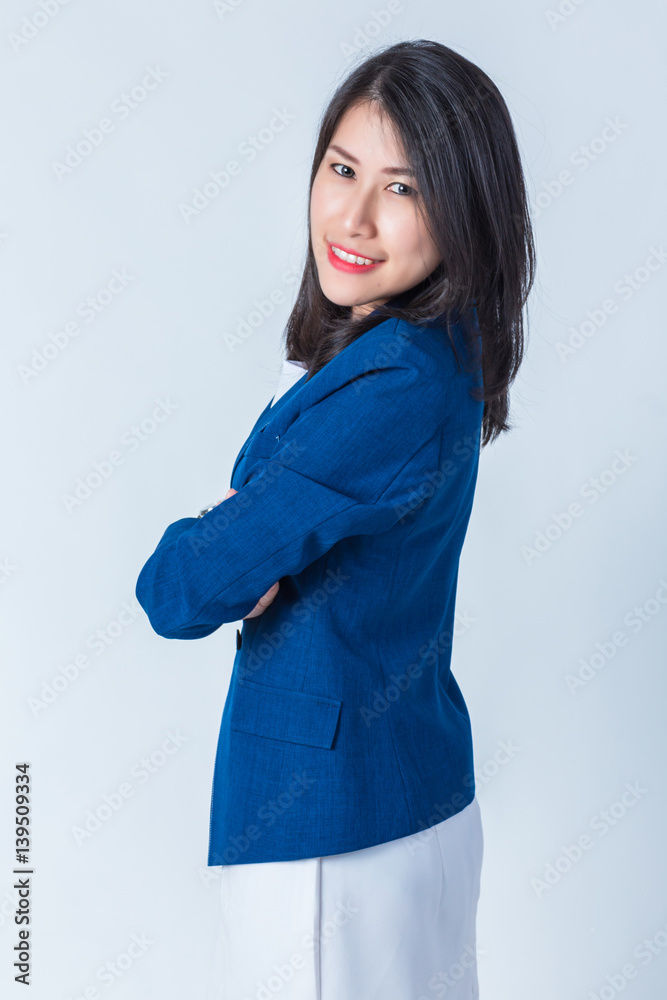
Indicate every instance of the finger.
{"type": "Point", "coordinates": [268, 596]}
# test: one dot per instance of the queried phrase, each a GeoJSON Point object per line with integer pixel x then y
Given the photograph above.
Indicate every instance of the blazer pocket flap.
{"type": "Point", "coordinates": [282, 714]}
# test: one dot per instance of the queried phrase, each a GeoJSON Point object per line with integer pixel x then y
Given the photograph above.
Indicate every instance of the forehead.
{"type": "Point", "coordinates": [366, 133]}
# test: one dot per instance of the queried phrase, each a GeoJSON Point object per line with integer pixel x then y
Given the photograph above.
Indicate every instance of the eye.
{"type": "Point", "coordinates": [344, 166]}
{"type": "Point", "coordinates": [407, 189]}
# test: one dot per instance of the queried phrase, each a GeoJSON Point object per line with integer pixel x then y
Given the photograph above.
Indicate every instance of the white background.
{"type": "Point", "coordinates": [171, 334]}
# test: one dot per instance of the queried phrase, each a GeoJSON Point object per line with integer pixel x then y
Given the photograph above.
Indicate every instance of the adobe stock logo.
{"type": "Point", "coordinates": [592, 490]}
{"type": "Point", "coordinates": [89, 309]}
{"type": "Point", "coordinates": [32, 24]}
{"type": "Point", "coordinates": [122, 107]}
{"type": "Point", "coordinates": [103, 469]}
{"type": "Point", "coordinates": [219, 180]}
{"type": "Point", "coordinates": [601, 823]}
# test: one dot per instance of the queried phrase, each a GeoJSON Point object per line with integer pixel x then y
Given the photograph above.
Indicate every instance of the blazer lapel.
{"type": "Point", "coordinates": [263, 419]}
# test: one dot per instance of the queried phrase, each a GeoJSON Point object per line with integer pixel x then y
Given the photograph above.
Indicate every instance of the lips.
{"type": "Point", "coordinates": [349, 266]}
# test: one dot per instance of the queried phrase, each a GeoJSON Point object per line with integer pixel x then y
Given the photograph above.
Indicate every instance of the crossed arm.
{"type": "Point", "coordinates": [263, 602]}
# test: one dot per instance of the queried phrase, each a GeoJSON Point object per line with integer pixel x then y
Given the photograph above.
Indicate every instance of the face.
{"type": "Point", "coordinates": [364, 204]}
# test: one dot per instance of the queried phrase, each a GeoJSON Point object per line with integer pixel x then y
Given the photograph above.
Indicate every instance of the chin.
{"type": "Point", "coordinates": [340, 297]}
{"type": "Point", "coordinates": [336, 296]}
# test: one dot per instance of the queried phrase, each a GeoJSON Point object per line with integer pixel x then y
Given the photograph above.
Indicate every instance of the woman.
{"type": "Point", "coordinates": [343, 813]}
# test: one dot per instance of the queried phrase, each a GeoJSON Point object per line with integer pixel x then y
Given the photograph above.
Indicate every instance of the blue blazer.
{"type": "Point", "coordinates": [343, 725]}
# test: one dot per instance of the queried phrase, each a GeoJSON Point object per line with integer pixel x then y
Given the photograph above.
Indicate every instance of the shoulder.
{"type": "Point", "coordinates": [435, 360]}
{"type": "Point", "coordinates": [429, 347]}
{"type": "Point", "coordinates": [393, 358]}
{"type": "Point", "coordinates": [394, 344]}
{"type": "Point", "coordinates": [408, 368]}
{"type": "Point", "coordinates": [441, 346]}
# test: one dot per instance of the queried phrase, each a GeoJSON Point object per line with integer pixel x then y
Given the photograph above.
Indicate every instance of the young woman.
{"type": "Point", "coordinates": [343, 812]}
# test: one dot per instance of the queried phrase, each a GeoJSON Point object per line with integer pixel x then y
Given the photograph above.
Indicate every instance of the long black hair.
{"type": "Point", "coordinates": [457, 134]}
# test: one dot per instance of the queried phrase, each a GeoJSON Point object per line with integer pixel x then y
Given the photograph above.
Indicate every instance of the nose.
{"type": "Point", "coordinates": [360, 214]}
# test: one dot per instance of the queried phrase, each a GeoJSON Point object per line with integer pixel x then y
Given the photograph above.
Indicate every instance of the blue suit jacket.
{"type": "Point", "coordinates": [343, 726]}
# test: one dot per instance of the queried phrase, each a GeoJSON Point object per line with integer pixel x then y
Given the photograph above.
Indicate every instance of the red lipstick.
{"type": "Point", "coordinates": [346, 265]}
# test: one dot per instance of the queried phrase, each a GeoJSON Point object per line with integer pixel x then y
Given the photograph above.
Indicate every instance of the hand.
{"type": "Point", "coordinates": [263, 602]}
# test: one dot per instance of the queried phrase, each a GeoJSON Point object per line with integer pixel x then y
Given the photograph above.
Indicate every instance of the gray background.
{"type": "Point", "coordinates": [170, 334]}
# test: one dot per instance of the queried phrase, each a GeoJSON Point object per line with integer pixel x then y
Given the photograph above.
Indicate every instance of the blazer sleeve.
{"type": "Point", "coordinates": [328, 478]}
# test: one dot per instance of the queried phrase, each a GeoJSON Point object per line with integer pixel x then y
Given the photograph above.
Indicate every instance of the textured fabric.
{"type": "Point", "coordinates": [343, 725]}
{"type": "Point", "coordinates": [392, 922]}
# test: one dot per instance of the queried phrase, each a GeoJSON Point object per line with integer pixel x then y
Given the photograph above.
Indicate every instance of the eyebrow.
{"type": "Point", "coordinates": [408, 171]}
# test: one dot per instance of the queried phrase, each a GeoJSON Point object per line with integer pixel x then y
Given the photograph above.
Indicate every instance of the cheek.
{"type": "Point", "coordinates": [317, 202]}
{"type": "Point", "coordinates": [419, 255]}
{"type": "Point", "coordinates": [326, 200]}
{"type": "Point", "coordinates": [408, 254]}
{"type": "Point", "coordinates": [429, 252]}
{"type": "Point", "coordinates": [431, 256]}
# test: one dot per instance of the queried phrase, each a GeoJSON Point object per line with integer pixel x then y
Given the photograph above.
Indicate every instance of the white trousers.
{"type": "Point", "coordinates": [396, 921]}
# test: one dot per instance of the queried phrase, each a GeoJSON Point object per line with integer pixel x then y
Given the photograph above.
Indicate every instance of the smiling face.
{"type": "Point", "coordinates": [364, 205]}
